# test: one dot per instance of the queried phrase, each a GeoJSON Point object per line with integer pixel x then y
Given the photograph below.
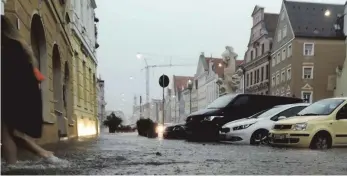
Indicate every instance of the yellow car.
{"type": "Point", "coordinates": [321, 125]}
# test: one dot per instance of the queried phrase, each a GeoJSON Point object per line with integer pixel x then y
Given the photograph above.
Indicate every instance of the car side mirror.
{"type": "Point", "coordinates": [282, 117]}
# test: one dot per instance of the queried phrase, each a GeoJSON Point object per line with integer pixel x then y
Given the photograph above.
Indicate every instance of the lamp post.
{"type": "Point", "coordinates": [190, 87]}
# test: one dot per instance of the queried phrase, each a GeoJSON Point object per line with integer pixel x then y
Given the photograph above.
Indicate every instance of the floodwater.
{"type": "Point", "coordinates": [127, 153]}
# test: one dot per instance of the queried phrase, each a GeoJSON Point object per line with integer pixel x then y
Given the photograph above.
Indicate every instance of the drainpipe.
{"type": "Point", "coordinates": [244, 79]}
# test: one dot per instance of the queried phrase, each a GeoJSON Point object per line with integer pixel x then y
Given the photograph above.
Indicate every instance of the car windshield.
{"type": "Point", "coordinates": [322, 107]}
{"type": "Point", "coordinates": [221, 102]}
{"type": "Point", "coordinates": [270, 112]}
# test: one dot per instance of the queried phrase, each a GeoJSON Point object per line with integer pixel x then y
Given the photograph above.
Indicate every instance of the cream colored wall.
{"type": "Point", "coordinates": [85, 99]}
{"type": "Point", "coordinates": [341, 82]}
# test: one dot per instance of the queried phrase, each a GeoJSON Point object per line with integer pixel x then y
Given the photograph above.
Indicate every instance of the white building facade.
{"type": "Point", "coordinates": [101, 100]}
{"type": "Point", "coordinates": [83, 20]}
{"type": "Point", "coordinates": [208, 72]}
{"type": "Point", "coordinates": [341, 85]}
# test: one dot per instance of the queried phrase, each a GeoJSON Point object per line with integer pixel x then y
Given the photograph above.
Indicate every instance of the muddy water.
{"type": "Point", "coordinates": [130, 154]}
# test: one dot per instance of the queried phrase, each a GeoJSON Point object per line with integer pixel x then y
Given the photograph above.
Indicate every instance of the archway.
{"type": "Point", "coordinates": [38, 44]}
{"type": "Point", "coordinates": [58, 92]}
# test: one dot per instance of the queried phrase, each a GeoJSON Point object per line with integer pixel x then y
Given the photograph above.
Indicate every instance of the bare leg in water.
{"type": "Point", "coordinates": [30, 145]}
{"type": "Point", "coordinates": [9, 148]}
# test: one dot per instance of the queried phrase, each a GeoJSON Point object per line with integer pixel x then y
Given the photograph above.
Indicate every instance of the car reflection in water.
{"type": "Point", "coordinates": [175, 131]}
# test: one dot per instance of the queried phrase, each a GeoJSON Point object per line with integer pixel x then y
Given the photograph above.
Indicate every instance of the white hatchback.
{"type": "Point", "coordinates": [255, 129]}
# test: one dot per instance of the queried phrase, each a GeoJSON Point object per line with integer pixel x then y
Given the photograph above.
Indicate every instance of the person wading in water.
{"type": "Point", "coordinates": [21, 105]}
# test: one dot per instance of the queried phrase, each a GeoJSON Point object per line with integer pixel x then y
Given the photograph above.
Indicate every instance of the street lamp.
{"type": "Point", "coordinates": [339, 20]}
{"type": "Point", "coordinates": [139, 56]}
{"type": "Point", "coordinates": [190, 87]}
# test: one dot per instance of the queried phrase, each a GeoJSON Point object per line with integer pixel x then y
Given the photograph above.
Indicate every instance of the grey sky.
{"type": "Point", "coordinates": [163, 28]}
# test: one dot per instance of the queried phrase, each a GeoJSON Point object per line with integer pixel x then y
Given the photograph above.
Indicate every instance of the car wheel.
{"type": "Point", "coordinates": [259, 137]}
{"type": "Point", "coordinates": [321, 141]}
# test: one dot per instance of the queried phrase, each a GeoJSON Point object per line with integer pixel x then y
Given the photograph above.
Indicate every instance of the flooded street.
{"type": "Point", "coordinates": [130, 154]}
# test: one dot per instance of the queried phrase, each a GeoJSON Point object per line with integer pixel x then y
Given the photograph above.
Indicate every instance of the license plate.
{"type": "Point", "coordinates": [279, 136]}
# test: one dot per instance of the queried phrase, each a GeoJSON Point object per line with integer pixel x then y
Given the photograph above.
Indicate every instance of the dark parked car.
{"type": "Point", "coordinates": [205, 124]}
{"type": "Point", "coordinates": [175, 132]}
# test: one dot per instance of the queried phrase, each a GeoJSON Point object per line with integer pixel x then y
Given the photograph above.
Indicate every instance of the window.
{"type": "Point", "coordinates": [278, 57]}
{"type": "Point", "coordinates": [322, 107]}
{"type": "Point", "coordinates": [307, 96]}
{"type": "Point", "coordinates": [262, 49]}
{"type": "Point", "coordinates": [251, 81]}
{"type": "Point", "coordinates": [289, 112]}
{"type": "Point", "coordinates": [256, 52]}
{"type": "Point", "coordinates": [289, 73]}
{"type": "Point", "coordinates": [308, 49]}
{"type": "Point", "coordinates": [279, 36]}
{"type": "Point", "coordinates": [277, 79]}
{"type": "Point", "coordinates": [252, 55]}
{"type": "Point", "coordinates": [283, 76]}
{"type": "Point", "coordinates": [267, 71]}
{"type": "Point", "coordinates": [85, 83]}
{"type": "Point", "coordinates": [273, 60]}
{"type": "Point", "coordinates": [247, 81]}
{"type": "Point", "coordinates": [273, 83]}
{"type": "Point", "coordinates": [307, 72]}
{"type": "Point", "coordinates": [258, 76]}
{"type": "Point", "coordinates": [289, 50]}
{"type": "Point", "coordinates": [284, 54]}
{"type": "Point", "coordinates": [262, 74]}
{"type": "Point", "coordinates": [284, 32]}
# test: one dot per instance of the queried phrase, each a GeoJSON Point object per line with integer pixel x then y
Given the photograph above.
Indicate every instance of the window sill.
{"type": "Point", "coordinates": [50, 120]}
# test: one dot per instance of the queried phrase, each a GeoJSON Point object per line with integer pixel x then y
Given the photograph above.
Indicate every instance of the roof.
{"type": "Point", "coordinates": [308, 20]}
{"type": "Point", "coordinates": [239, 62]}
{"type": "Point", "coordinates": [181, 81]}
{"type": "Point", "coordinates": [270, 21]}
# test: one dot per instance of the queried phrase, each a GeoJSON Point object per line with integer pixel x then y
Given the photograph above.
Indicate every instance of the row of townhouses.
{"type": "Point", "coordinates": [299, 52]}
{"type": "Point", "coordinates": [63, 37]}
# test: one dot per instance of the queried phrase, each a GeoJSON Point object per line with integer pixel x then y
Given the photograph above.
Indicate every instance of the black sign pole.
{"type": "Point", "coordinates": [163, 99]}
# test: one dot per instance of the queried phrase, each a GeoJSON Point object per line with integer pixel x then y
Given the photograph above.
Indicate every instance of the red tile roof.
{"type": "Point", "coordinates": [181, 81]}
{"type": "Point", "coordinates": [239, 62]}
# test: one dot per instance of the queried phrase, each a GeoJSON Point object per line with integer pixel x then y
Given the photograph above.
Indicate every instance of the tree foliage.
{"type": "Point", "coordinates": [112, 122]}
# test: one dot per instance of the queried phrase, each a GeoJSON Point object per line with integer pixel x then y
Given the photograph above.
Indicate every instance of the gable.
{"type": "Point", "coordinates": [307, 87]}
{"type": "Point", "coordinates": [256, 9]}
{"type": "Point", "coordinates": [282, 21]}
{"type": "Point", "coordinates": [200, 68]}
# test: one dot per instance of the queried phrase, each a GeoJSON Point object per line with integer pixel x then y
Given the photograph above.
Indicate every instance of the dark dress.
{"type": "Point", "coordinates": [21, 104]}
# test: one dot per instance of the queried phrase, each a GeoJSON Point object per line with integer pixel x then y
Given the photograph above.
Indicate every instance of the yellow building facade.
{"type": "Point", "coordinates": [84, 86]}
{"type": "Point", "coordinates": [69, 90]}
{"type": "Point", "coordinates": [43, 26]}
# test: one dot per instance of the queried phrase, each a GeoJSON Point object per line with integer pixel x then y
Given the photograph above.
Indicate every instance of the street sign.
{"type": "Point", "coordinates": [164, 81]}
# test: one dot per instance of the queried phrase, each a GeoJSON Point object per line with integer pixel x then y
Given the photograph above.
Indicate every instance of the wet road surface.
{"type": "Point", "coordinates": [128, 153]}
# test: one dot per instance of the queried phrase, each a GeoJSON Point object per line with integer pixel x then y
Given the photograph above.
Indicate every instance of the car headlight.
{"type": "Point", "coordinates": [210, 118]}
{"type": "Point", "coordinates": [241, 127]}
{"type": "Point", "coordinates": [300, 126]}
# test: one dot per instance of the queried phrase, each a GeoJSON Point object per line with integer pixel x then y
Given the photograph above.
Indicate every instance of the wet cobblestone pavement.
{"type": "Point", "coordinates": [130, 154]}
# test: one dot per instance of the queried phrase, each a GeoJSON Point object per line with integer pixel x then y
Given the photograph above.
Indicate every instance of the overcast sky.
{"type": "Point", "coordinates": [164, 30]}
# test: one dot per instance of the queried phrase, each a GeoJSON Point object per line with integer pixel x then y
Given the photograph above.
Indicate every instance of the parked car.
{"type": "Point", "coordinates": [205, 124]}
{"type": "Point", "coordinates": [176, 131]}
{"type": "Point", "coordinates": [321, 125]}
{"type": "Point", "coordinates": [255, 129]}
